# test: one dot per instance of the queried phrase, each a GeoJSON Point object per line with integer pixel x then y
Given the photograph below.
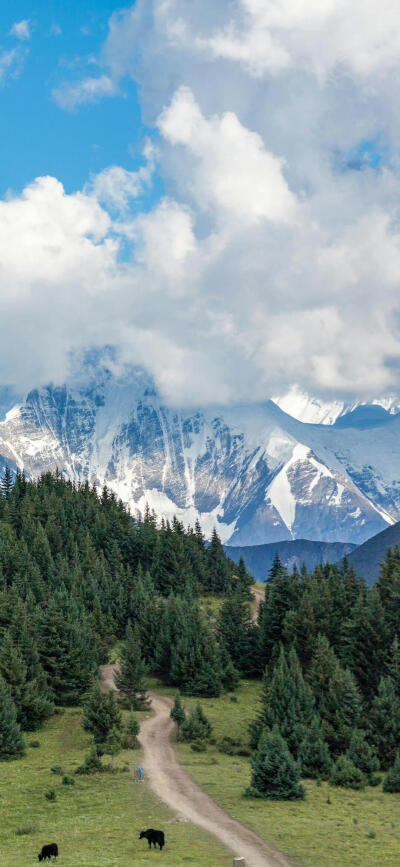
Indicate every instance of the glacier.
{"type": "Point", "coordinates": [254, 472]}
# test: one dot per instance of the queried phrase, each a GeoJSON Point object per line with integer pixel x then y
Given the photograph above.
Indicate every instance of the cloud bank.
{"type": "Point", "coordinates": [273, 257]}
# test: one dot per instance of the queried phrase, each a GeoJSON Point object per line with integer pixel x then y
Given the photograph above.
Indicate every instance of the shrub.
{"type": "Point", "coordinates": [68, 781]}
{"type": "Point", "coordinates": [344, 773]}
{"type": "Point", "coordinates": [26, 829]}
{"type": "Point", "coordinates": [34, 744]}
{"type": "Point", "coordinates": [196, 726]}
{"type": "Point", "coordinates": [391, 782]}
{"type": "Point", "coordinates": [50, 795]}
{"type": "Point", "coordinates": [232, 747]}
{"type": "Point", "coordinates": [178, 712]}
{"type": "Point", "coordinates": [57, 769]}
{"type": "Point", "coordinates": [198, 746]}
{"type": "Point", "coordinates": [92, 763]}
{"type": "Point", "coordinates": [276, 775]}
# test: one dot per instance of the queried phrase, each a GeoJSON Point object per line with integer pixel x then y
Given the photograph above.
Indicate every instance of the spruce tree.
{"type": "Point", "coordinates": [287, 701]}
{"type": "Point", "coordinates": [113, 744]}
{"type": "Point", "coordinates": [130, 679]}
{"type": "Point", "coordinates": [391, 782]}
{"type": "Point", "coordinates": [178, 712]}
{"type": "Point", "coordinates": [384, 721]}
{"type": "Point", "coordinates": [275, 773]}
{"type": "Point", "coordinates": [218, 572]}
{"type": "Point", "coordinates": [363, 755]}
{"type": "Point", "coordinates": [100, 714]}
{"type": "Point", "coordinates": [314, 755]}
{"type": "Point", "coordinates": [12, 744]}
{"type": "Point", "coordinates": [337, 697]}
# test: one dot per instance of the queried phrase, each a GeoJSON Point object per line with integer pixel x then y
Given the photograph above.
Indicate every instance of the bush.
{"type": "Point", "coordinates": [68, 781]}
{"type": "Point", "coordinates": [345, 774]}
{"type": "Point", "coordinates": [391, 782]}
{"type": "Point", "coordinates": [198, 746]}
{"type": "Point", "coordinates": [130, 735]}
{"type": "Point", "coordinates": [26, 829]}
{"type": "Point", "coordinates": [50, 795]}
{"type": "Point", "coordinates": [196, 726]}
{"type": "Point", "coordinates": [276, 775]}
{"type": "Point", "coordinates": [232, 747]}
{"type": "Point", "coordinates": [57, 769]}
{"type": "Point", "coordinates": [34, 744]}
{"type": "Point", "coordinates": [92, 763]}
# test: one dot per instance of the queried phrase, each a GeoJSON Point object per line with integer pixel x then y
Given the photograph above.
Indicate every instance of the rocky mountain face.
{"type": "Point", "coordinates": [255, 472]}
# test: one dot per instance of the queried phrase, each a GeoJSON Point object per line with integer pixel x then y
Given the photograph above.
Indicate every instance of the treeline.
{"type": "Point", "coordinates": [331, 684]}
{"type": "Point", "coordinates": [76, 572]}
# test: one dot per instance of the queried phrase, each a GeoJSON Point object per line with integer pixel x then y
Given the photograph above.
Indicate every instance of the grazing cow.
{"type": "Point", "coordinates": [50, 851]}
{"type": "Point", "coordinates": [153, 837]}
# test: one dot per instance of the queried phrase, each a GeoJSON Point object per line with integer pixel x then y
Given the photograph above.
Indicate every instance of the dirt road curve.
{"type": "Point", "coordinates": [173, 786]}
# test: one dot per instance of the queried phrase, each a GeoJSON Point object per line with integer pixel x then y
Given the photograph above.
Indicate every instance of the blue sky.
{"type": "Point", "coordinates": [255, 247]}
{"type": "Point", "coordinates": [38, 137]}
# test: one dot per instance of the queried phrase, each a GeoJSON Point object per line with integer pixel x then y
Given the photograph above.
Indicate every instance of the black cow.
{"type": "Point", "coordinates": [153, 837]}
{"type": "Point", "coordinates": [50, 851]}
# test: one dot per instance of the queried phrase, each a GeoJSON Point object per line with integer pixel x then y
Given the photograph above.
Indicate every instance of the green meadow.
{"type": "Point", "coordinates": [332, 827]}
{"type": "Point", "coordinates": [96, 822]}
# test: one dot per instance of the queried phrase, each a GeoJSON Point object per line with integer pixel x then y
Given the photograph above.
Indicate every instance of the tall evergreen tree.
{"type": "Point", "coordinates": [130, 679]}
{"type": "Point", "coordinates": [12, 744]}
{"type": "Point", "coordinates": [275, 774]}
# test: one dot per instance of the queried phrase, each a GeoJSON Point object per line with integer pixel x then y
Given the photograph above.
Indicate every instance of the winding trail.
{"type": "Point", "coordinates": [173, 786]}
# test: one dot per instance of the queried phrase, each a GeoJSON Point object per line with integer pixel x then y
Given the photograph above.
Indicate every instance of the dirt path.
{"type": "Point", "coordinates": [259, 596]}
{"type": "Point", "coordinates": [173, 786]}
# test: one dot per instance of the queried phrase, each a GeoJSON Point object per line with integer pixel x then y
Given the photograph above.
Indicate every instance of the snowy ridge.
{"type": "Point", "coordinates": [255, 472]}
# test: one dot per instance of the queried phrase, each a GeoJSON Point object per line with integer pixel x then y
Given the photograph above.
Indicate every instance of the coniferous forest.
{"type": "Point", "coordinates": [78, 573]}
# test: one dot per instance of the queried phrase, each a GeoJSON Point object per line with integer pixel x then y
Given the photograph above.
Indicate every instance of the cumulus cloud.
{"type": "Point", "coordinates": [22, 30]}
{"type": "Point", "coordinates": [273, 256]}
{"type": "Point", "coordinates": [116, 186]}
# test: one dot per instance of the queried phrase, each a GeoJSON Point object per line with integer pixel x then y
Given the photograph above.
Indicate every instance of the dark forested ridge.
{"type": "Point", "coordinates": [292, 552]}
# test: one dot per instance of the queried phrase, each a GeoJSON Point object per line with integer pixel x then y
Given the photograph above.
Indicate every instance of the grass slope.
{"type": "Point", "coordinates": [355, 828]}
{"type": "Point", "coordinates": [96, 822]}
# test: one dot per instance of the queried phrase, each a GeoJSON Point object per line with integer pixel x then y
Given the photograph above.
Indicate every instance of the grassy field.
{"type": "Point", "coordinates": [331, 827]}
{"type": "Point", "coordinates": [96, 822]}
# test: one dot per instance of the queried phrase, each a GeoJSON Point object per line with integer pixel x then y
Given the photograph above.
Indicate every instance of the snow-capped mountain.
{"type": "Point", "coordinates": [312, 410]}
{"type": "Point", "coordinates": [255, 472]}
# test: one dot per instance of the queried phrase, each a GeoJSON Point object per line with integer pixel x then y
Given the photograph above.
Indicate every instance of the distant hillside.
{"type": "Point", "coordinates": [368, 557]}
{"type": "Point", "coordinates": [259, 558]}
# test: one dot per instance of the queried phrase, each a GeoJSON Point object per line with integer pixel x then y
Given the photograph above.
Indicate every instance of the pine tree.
{"type": "Point", "coordinates": [275, 774]}
{"type": "Point", "coordinates": [178, 712]}
{"type": "Point", "coordinates": [345, 774]}
{"type": "Point", "coordinates": [244, 581]}
{"type": "Point", "coordinates": [236, 633]}
{"type": "Point", "coordinates": [384, 721]}
{"type": "Point", "coordinates": [314, 753]}
{"type": "Point", "coordinates": [12, 744]}
{"type": "Point", "coordinates": [100, 714]}
{"type": "Point", "coordinates": [287, 701]}
{"type": "Point", "coordinates": [363, 755]}
{"type": "Point", "coordinates": [218, 573]}
{"type": "Point", "coordinates": [337, 697]}
{"type": "Point", "coordinates": [113, 744]}
{"type": "Point", "coordinates": [7, 483]}
{"type": "Point", "coordinates": [391, 782]}
{"type": "Point", "coordinates": [281, 595]}
{"type": "Point", "coordinates": [130, 679]}
{"type": "Point", "coordinates": [196, 726]}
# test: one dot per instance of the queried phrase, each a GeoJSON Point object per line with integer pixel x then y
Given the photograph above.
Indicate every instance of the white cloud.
{"type": "Point", "coordinates": [116, 186]}
{"type": "Point", "coordinates": [234, 173]}
{"type": "Point", "coordinates": [70, 95]}
{"type": "Point", "coordinates": [268, 260]}
{"type": "Point", "coordinates": [22, 30]}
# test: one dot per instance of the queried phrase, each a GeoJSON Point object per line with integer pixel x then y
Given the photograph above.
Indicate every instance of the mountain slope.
{"type": "Point", "coordinates": [367, 558]}
{"type": "Point", "coordinates": [255, 472]}
{"type": "Point", "coordinates": [259, 558]}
